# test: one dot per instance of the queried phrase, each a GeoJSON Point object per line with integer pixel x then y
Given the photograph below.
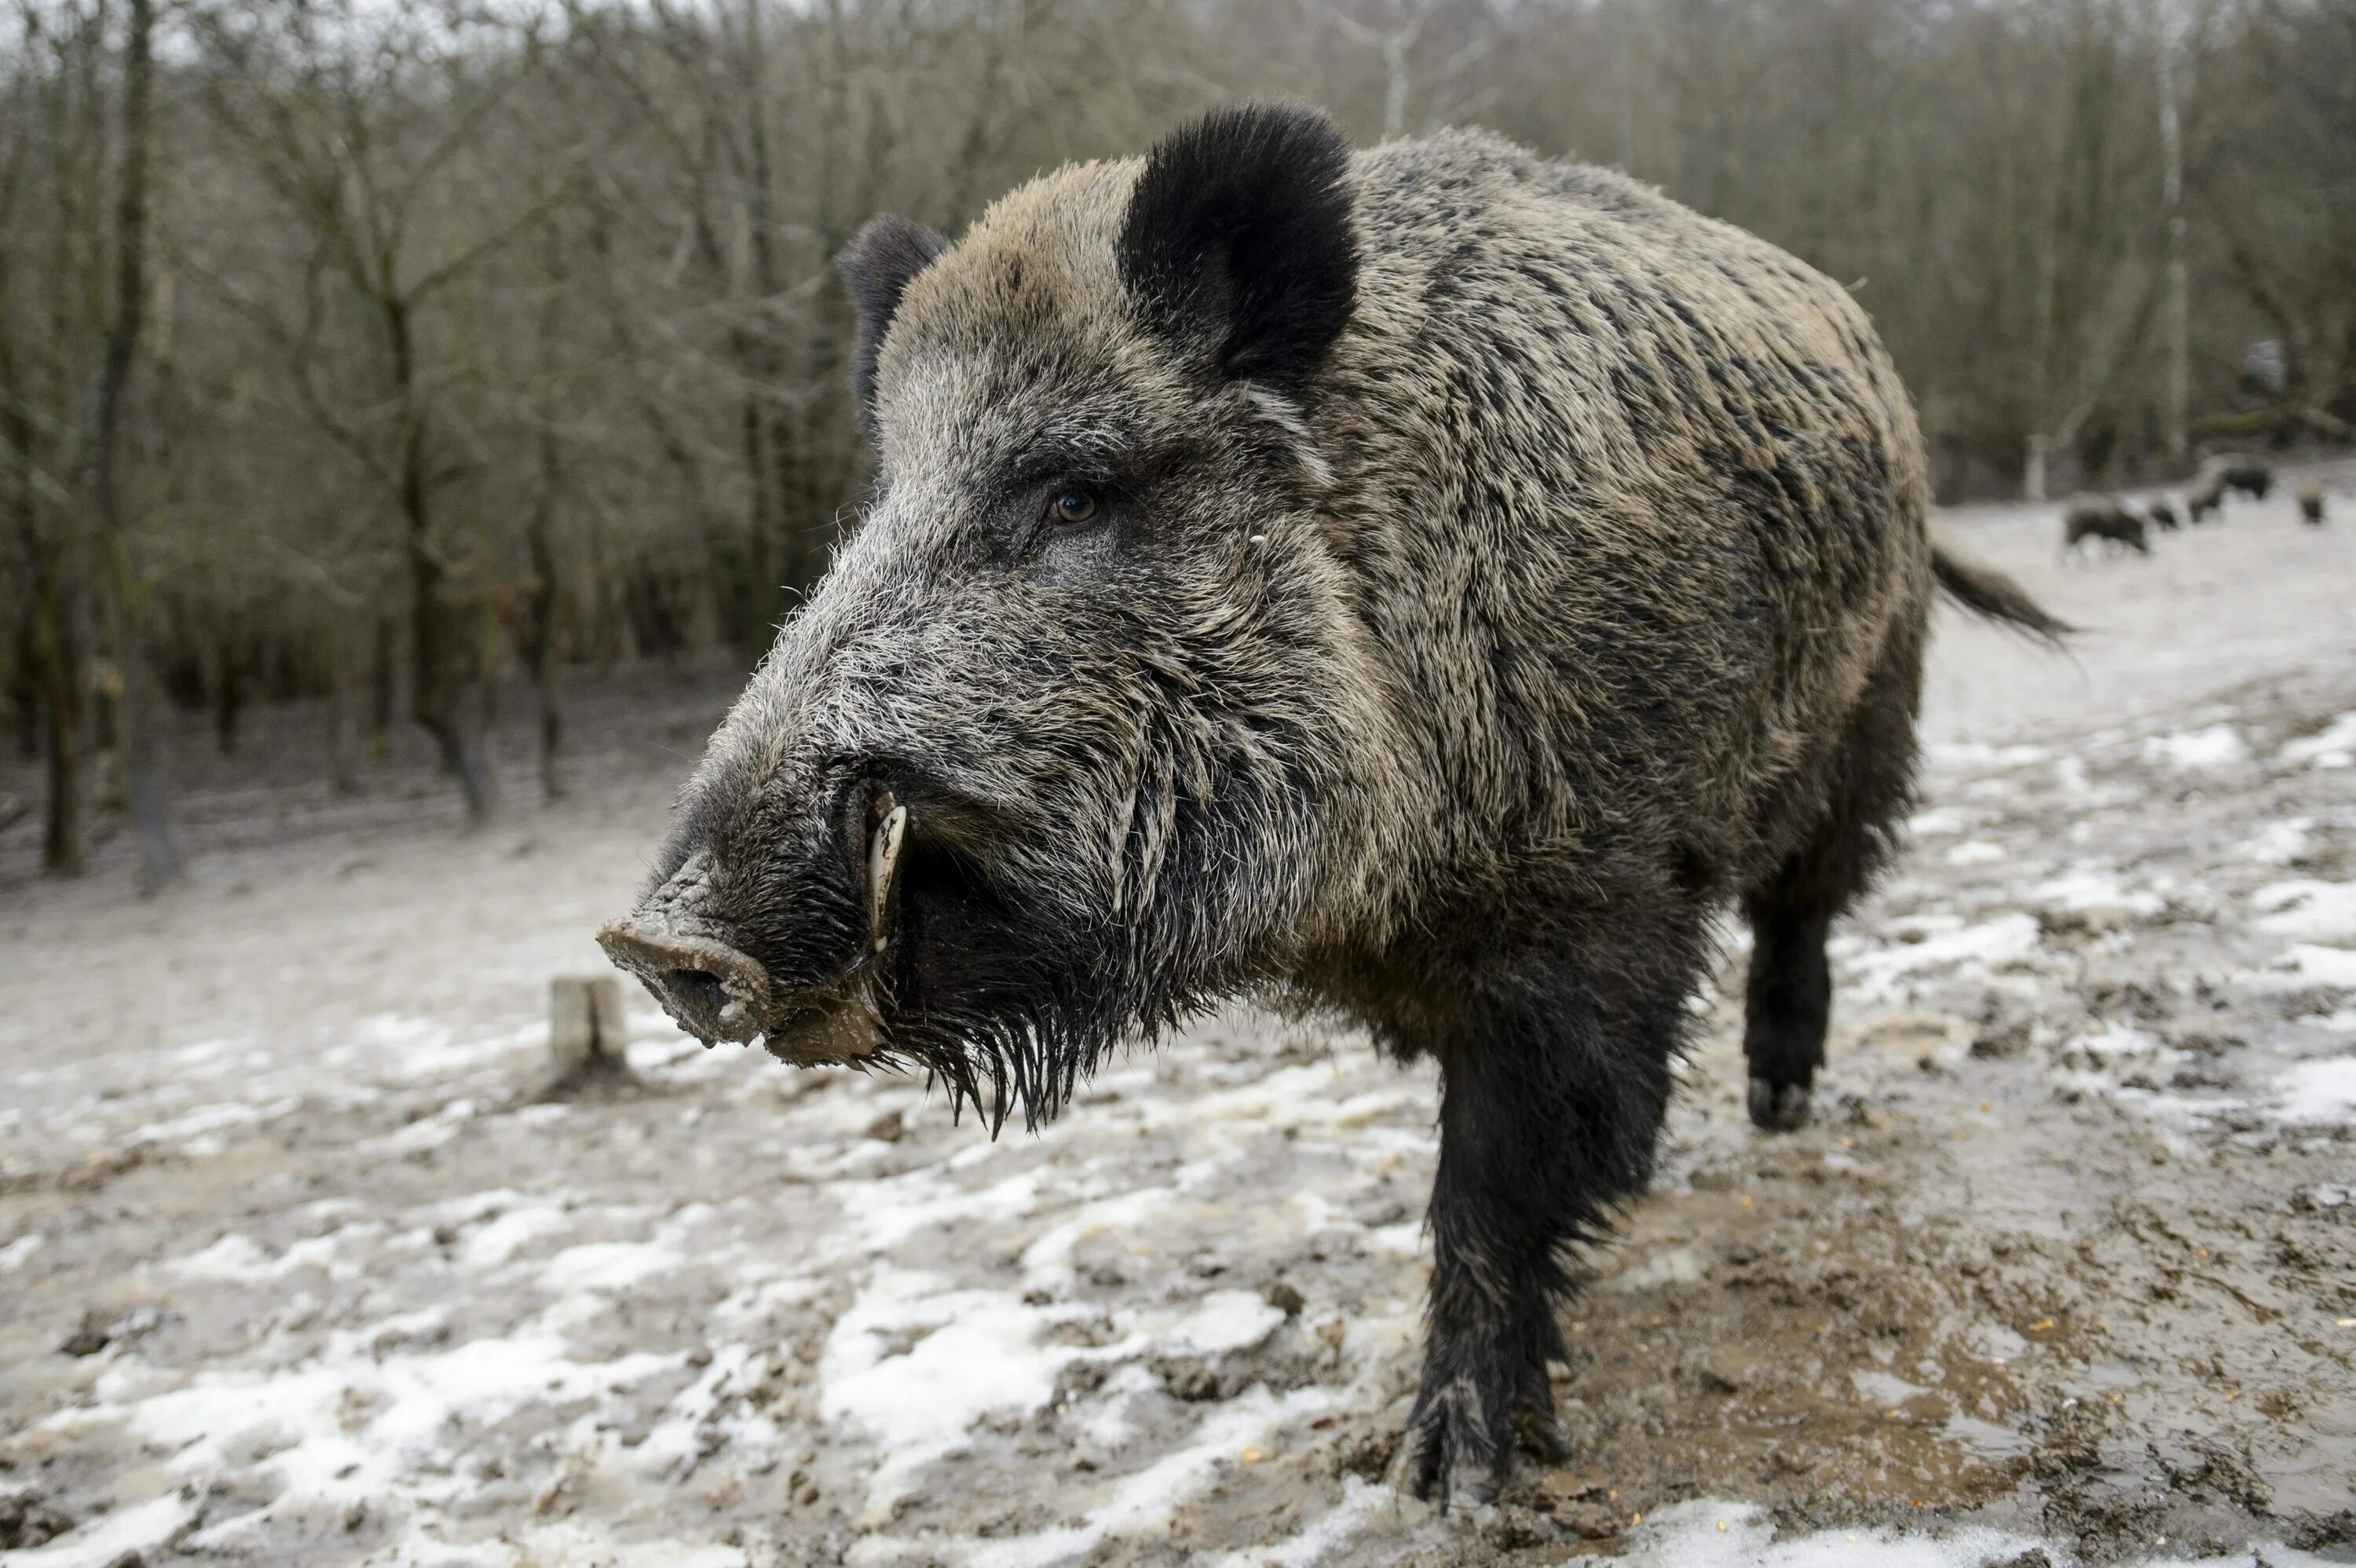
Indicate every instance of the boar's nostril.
{"type": "Point", "coordinates": [714, 991]}
{"type": "Point", "coordinates": [699, 988]}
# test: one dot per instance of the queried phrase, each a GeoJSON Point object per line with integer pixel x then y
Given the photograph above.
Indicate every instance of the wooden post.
{"type": "Point", "coordinates": [588, 1035]}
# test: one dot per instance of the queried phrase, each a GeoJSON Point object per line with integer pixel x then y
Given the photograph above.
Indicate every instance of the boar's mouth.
{"type": "Point", "coordinates": [715, 991]}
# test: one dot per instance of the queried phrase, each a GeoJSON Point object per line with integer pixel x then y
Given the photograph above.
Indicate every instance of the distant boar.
{"type": "Point", "coordinates": [1430, 584]}
{"type": "Point", "coordinates": [2310, 504]}
{"type": "Point", "coordinates": [2205, 502]}
{"type": "Point", "coordinates": [2101, 517]}
{"type": "Point", "coordinates": [2246, 475]}
{"type": "Point", "coordinates": [2226, 472]}
{"type": "Point", "coordinates": [2163, 517]}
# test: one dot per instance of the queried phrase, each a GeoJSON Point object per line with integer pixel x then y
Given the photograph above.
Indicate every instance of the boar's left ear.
{"type": "Point", "coordinates": [877, 268]}
{"type": "Point", "coordinates": [1238, 240]}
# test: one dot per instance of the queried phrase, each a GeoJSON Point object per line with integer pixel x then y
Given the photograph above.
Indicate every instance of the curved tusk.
{"type": "Point", "coordinates": [883, 861]}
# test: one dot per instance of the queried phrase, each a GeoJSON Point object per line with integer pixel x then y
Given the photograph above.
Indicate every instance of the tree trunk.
{"type": "Point", "coordinates": [339, 712]}
{"type": "Point", "coordinates": [228, 695]}
{"type": "Point", "coordinates": [61, 703]}
{"type": "Point", "coordinates": [540, 643]}
{"type": "Point", "coordinates": [384, 684]}
{"type": "Point", "coordinates": [436, 642]}
{"type": "Point", "coordinates": [159, 859]}
{"type": "Point", "coordinates": [2175, 414]}
{"type": "Point", "coordinates": [439, 712]}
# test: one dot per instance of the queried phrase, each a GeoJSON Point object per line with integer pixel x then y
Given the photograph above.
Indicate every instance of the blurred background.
{"type": "Point", "coordinates": [431, 364]}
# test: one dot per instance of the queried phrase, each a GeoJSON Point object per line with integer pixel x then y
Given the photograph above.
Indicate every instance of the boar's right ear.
{"type": "Point", "coordinates": [1238, 240]}
{"type": "Point", "coordinates": [877, 268]}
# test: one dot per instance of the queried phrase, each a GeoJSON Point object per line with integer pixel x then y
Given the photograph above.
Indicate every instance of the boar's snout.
{"type": "Point", "coordinates": [682, 942]}
{"type": "Point", "coordinates": [712, 989]}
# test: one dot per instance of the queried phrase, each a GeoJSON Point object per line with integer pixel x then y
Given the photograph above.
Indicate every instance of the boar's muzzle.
{"type": "Point", "coordinates": [683, 951]}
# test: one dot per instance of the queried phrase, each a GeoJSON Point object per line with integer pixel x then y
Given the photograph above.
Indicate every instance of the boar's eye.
{"type": "Point", "coordinates": [1072, 507]}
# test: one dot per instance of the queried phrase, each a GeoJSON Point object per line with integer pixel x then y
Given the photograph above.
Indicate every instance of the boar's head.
{"type": "Point", "coordinates": [1073, 737]}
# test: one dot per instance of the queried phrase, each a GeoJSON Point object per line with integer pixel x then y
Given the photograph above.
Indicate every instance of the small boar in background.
{"type": "Point", "coordinates": [2101, 517]}
{"type": "Point", "coordinates": [1428, 584]}
{"type": "Point", "coordinates": [2247, 475]}
{"type": "Point", "coordinates": [2205, 502]}
{"type": "Point", "coordinates": [2163, 517]}
{"type": "Point", "coordinates": [2310, 504]}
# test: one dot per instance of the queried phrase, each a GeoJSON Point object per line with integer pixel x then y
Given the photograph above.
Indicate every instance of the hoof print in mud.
{"type": "Point", "coordinates": [1779, 1107]}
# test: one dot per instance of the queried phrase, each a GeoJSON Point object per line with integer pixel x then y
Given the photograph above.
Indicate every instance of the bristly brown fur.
{"type": "Point", "coordinates": [1430, 582]}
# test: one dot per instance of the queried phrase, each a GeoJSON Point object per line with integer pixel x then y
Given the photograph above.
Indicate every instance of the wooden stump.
{"type": "Point", "coordinates": [588, 1034]}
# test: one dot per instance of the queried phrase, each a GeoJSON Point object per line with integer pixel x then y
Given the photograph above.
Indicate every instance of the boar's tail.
{"type": "Point", "coordinates": [1995, 597]}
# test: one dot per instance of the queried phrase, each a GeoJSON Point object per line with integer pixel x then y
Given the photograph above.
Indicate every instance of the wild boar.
{"type": "Point", "coordinates": [2205, 502]}
{"type": "Point", "coordinates": [2246, 475]}
{"type": "Point", "coordinates": [2310, 504]}
{"type": "Point", "coordinates": [2101, 517]}
{"type": "Point", "coordinates": [1428, 584]}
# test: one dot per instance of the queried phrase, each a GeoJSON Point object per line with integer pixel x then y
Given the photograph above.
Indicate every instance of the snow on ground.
{"type": "Point", "coordinates": [301, 1267]}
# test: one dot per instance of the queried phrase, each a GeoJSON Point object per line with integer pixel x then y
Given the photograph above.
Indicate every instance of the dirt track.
{"type": "Point", "coordinates": [295, 1267]}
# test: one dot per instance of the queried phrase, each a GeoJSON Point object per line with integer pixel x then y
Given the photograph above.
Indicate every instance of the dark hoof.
{"type": "Point", "coordinates": [1463, 1497]}
{"type": "Point", "coordinates": [1542, 1437]}
{"type": "Point", "coordinates": [1452, 1457]}
{"type": "Point", "coordinates": [1779, 1107]}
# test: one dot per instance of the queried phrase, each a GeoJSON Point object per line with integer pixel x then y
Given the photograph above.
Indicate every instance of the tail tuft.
{"type": "Point", "coordinates": [1993, 596]}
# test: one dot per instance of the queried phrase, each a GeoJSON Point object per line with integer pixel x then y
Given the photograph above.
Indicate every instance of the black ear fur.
{"type": "Point", "coordinates": [1238, 239]}
{"type": "Point", "coordinates": [877, 268]}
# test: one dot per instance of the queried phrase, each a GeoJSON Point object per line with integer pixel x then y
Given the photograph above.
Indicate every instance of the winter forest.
{"type": "Point", "coordinates": [402, 359]}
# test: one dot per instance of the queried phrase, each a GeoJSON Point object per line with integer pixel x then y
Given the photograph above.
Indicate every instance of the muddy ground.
{"type": "Point", "coordinates": [299, 1264]}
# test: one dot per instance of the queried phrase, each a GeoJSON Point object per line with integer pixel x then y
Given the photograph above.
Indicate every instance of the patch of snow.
{"type": "Point", "coordinates": [351, 1424]}
{"type": "Point", "coordinates": [2280, 843]}
{"type": "Point", "coordinates": [1741, 1535]}
{"type": "Point", "coordinates": [412, 1049]}
{"type": "Point", "coordinates": [2334, 746]}
{"type": "Point", "coordinates": [673, 1446]}
{"type": "Point", "coordinates": [1879, 969]}
{"type": "Point", "coordinates": [1976, 852]}
{"type": "Point", "coordinates": [1938, 822]}
{"type": "Point", "coordinates": [2322, 912]}
{"type": "Point", "coordinates": [207, 1119]}
{"type": "Point", "coordinates": [2091, 888]}
{"type": "Point", "coordinates": [974, 1353]}
{"type": "Point", "coordinates": [125, 1532]}
{"type": "Point", "coordinates": [236, 1257]}
{"type": "Point", "coordinates": [1992, 1341]}
{"type": "Point", "coordinates": [2305, 964]}
{"type": "Point", "coordinates": [1361, 1501]}
{"type": "Point", "coordinates": [2110, 1043]}
{"type": "Point", "coordinates": [13, 1256]}
{"type": "Point", "coordinates": [1977, 755]}
{"type": "Point", "coordinates": [1142, 1505]}
{"type": "Point", "coordinates": [2197, 750]}
{"type": "Point", "coordinates": [1881, 1389]}
{"type": "Point", "coordinates": [427, 1131]}
{"type": "Point", "coordinates": [893, 1208]}
{"type": "Point", "coordinates": [2318, 1091]}
{"type": "Point", "coordinates": [1226, 1320]}
{"type": "Point", "coordinates": [608, 1265]}
{"type": "Point", "coordinates": [501, 1240]}
{"type": "Point", "coordinates": [1047, 1261]}
{"type": "Point", "coordinates": [1106, 1422]}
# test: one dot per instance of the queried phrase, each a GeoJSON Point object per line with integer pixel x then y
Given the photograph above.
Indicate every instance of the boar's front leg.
{"type": "Point", "coordinates": [1550, 1107]}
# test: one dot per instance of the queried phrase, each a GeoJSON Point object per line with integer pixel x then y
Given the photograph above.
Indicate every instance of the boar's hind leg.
{"type": "Point", "coordinates": [1790, 992]}
{"type": "Point", "coordinates": [1790, 1002]}
{"type": "Point", "coordinates": [1549, 1115]}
